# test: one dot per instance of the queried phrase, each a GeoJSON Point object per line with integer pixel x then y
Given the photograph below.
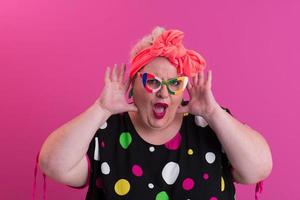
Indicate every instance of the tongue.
{"type": "Point", "coordinates": [159, 109]}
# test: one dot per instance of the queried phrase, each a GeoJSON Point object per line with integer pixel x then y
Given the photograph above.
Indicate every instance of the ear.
{"type": "Point", "coordinates": [130, 94]}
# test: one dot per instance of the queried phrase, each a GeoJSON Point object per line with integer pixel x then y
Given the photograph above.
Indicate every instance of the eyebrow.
{"type": "Point", "coordinates": [160, 77]}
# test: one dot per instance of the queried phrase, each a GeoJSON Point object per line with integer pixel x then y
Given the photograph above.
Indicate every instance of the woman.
{"type": "Point", "coordinates": [159, 146]}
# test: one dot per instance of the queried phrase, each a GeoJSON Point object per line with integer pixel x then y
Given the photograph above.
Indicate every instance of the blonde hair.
{"type": "Point", "coordinates": [146, 41]}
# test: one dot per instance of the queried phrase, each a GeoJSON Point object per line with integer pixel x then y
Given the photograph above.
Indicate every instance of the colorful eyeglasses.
{"type": "Point", "coordinates": [153, 84]}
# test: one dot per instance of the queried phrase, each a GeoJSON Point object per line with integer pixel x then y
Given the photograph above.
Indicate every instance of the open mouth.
{"type": "Point", "coordinates": [159, 110]}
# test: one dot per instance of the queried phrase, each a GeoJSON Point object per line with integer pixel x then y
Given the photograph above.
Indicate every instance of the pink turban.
{"type": "Point", "coordinates": [169, 45]}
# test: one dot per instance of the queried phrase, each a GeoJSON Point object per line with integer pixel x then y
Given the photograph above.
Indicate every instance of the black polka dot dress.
{"type": "Point", "coordinates": [190, 166]}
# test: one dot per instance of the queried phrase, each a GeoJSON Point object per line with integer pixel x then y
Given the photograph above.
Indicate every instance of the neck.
{"type": "Point", "coordinates": [156, 135]}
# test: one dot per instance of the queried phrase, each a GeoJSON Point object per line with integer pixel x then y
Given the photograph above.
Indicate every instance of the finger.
{"type": "Point", "coordinates": [192, 81]}
{"type": "Point", "coordinates": [182, 109]}
{"type": "Point", "coordinates": [195, 81]}
{"type": "Point", "coordinates": [189, 88]}
{"type": "Point", "coordinates": [106, 76]}
{"type": "Point", "coordinates": [201, 78]}
{"type": "Point", "coordinates": [209, 79]}
{"type": "Point", "coordinates": [127, 84]}
{"type": "Point", "coordinates": [189, 85]}
{"type": "Point", "coordinates": [114, 73]}
{"type": "Point", "coordinates": [124, 71]}
{"type": "Point", "coordinates": [121, 73]}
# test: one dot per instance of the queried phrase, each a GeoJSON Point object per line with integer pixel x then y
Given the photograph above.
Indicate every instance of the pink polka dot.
{"type": "Point", "coordinates": [205, 176]}
{"type": "Point", "coordinates": [188, 184]}
{"type": "Point", "coordinates": [213, 198]}
{"type": "Point", "coordinates": [174, 143]}
{"type": "Point", "coordinates": [102, 144]}
{"type": "Point", "coordinates": [99, 183]}
{"type": "Point", "coordinates": [137, 170]}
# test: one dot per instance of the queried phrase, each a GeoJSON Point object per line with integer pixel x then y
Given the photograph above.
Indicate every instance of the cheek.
{"type": "Point", "coordinates": [176, 101]}
{"type": "Point", "coordinates": [140, 96]}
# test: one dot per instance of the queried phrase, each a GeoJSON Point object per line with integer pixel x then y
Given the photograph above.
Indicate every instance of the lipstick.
{"type": "Point", "coordinates": [159, 110]}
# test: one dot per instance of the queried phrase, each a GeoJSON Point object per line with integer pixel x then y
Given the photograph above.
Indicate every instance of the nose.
{"type": "Point", "coordinates": [163, 92]}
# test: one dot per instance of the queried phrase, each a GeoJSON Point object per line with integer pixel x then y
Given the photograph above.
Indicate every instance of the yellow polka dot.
{"type": "Point", "coordinates": [122, 187]}
{"type": "Point", "coordinates": [222, 184]}
{"type": "Point", "coordinates": [190, 152]}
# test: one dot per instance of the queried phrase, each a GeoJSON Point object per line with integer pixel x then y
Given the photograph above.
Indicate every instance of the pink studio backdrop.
{"type": "Point", "coordinates": [53, 55]}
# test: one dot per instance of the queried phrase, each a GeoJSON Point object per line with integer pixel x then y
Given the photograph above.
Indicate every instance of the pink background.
{"type": "Point", "coordinates": [53, 55]}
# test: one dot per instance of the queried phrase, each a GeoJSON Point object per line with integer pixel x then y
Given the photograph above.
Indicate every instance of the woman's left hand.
{"type": "Point", "coordinates": [202, 102]}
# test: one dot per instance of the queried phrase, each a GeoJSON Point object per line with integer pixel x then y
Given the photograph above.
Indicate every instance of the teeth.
{"type": "Point", "coordinates": [159, 109]}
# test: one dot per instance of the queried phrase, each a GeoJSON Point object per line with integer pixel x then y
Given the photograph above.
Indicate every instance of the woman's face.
{"type": "Point", "coordinates": [156, 110]}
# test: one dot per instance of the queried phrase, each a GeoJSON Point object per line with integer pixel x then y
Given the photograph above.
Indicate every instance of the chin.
{"type": "Point", "coordinates": [159, 123]}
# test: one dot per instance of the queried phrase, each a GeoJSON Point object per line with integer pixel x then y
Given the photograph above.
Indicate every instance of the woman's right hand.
{"type": "Point", "coordinates": [113, 96]}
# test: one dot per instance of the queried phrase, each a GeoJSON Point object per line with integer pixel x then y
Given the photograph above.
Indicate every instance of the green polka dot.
{"type": "Point", "coordinates": [162, 196]}
{"type": "Point", "coordinates": [125, 139]}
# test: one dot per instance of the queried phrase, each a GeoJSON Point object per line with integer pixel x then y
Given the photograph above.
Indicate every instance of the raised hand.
{"type": "Point", "coordinates": [202, 102]}
{"type": "Point", "coordinates": [113, 96]}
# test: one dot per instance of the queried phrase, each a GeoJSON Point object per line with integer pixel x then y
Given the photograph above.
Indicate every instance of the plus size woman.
{"type": "Point", "coordinates": [156, 145]}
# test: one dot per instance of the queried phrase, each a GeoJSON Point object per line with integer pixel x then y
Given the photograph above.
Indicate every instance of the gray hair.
{"type": "Point", "coordinates": [146, 41]}
{"type": "Point", "coordinates": [142, 44]}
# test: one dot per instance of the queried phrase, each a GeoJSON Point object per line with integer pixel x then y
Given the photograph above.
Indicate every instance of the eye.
{"type": "Point", "coordinates": [175, 82]}
{"type": "Point", "coordinates": [153, 82]}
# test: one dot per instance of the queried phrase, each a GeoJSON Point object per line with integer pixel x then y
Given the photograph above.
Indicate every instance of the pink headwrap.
{"type": "Point", "coordinates": [169, 45]}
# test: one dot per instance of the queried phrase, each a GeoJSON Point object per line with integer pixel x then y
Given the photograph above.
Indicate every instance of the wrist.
{"type": "Point", "coordinates": [211, 112]}
{"type": "Point", "coordinates": [101, 110]}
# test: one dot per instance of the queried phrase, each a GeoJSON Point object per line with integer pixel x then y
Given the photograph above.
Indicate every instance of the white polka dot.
{"type": "Point", "coordinates": [96, 151]}
{"type": "Point", "coordinates": [151, 149]}
{"type": "Point", "coordinates": [200, 121]}
{"type": "Point", "coordinates": [105, 169]}
{"type": "Point", "coordinates": [103, 126]}
{"type": "Point", "coordinates": [170, 172]}
{"type": "Point", "coordinates": [210, 157]}
{"type": "Point", "coordinates": [150, 185]}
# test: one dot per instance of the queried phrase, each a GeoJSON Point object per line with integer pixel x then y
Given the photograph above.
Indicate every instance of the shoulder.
{"type": "Point", "coordinates": [113, 125]}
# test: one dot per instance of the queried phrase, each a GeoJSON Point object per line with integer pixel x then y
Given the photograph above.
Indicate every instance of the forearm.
{"type": "Point", "coordinates": [246, 149]}
{"type": "Point", "coordinates": [66, 146]}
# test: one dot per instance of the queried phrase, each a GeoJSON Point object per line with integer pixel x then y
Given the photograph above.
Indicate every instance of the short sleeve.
{"type": "Point", "coordinates": [227, 110]}
{"type": "Point", "coordinates": [93, 156]}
